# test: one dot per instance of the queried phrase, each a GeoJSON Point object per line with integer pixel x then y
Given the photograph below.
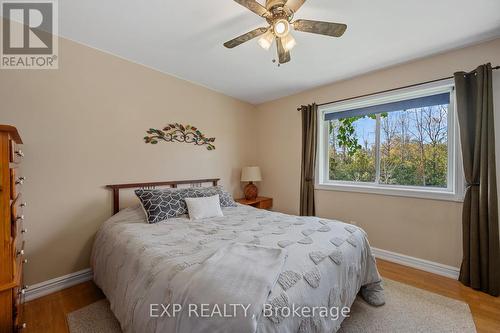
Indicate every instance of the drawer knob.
{"type": "Point", "coordinates": [24, 204]}
{"type": "Point", "coordinates": [20, 217]}
{"type": "Point", "coordinates": [23, 231]}
{"type": "Point", "coordinates": [22, 326]}
{"type": "Point", "coordinates": [25, 261]}
{"type": "Point", "coordinates": [19, 153]}
{"type": "Point", "coordinates": [20, 253]}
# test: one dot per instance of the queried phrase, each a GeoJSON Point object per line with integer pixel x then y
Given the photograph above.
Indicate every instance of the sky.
{"type": "Point", "coordinates": [365, 128]}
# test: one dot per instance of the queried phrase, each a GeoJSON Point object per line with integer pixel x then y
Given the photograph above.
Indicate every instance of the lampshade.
{"type": "Point", "coordinates": [251, 174]}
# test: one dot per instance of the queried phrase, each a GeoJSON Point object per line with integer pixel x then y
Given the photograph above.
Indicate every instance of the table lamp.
{"type": "Point", "coordinates": [251, 174]}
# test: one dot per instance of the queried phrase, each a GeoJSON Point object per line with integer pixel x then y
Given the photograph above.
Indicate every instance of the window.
{"type": "Point", "coordinates": [398, 143]}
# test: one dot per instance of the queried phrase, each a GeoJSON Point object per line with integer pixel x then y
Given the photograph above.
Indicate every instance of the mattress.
{"type": "Point", "coordinates": [144, 268]}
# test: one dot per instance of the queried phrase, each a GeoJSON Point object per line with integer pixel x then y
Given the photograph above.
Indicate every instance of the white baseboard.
{"type": "Point", "coordinates": [63, 282]}
{"type": "Point", "coordinates": [59, 283]}
{"type": "Point", "coordinates": [422, 264]}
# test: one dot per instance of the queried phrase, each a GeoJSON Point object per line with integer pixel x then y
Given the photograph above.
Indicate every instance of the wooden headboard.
{"type": "Point", "coordinates": [174, 183]}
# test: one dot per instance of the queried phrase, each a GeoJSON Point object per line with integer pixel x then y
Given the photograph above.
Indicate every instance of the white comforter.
{"type": "Point", "coordinates": [320, 263]}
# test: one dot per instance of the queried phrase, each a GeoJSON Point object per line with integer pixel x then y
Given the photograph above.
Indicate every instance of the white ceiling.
{"type": "Point", "coordinates": [184, 38]}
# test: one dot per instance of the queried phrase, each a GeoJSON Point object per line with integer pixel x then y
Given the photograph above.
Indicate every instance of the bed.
{"type": "Point", "coordinates": [249, 271]}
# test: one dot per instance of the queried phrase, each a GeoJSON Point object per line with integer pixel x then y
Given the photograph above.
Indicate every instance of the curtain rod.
{"type": "Point", "coordinates": [389, 90]}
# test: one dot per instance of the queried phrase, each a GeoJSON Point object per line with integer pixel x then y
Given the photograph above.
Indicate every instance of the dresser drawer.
{"type": "Point", "coordinates": [20, 257]}
{"type": "Point", "coordinates": [265, 204]}
{"type": "Point", "coordinates": [17, 217]}
{"type": "Point", "coordinates": [16, 305]}
{"type": "Point", "coordinates": [16, 153]}
{"type": "Point", "coordinates": [18, 298]}
{"type": "Point", "coordinates": [18, 228]}
{"type": "Point", "coordinates": [16, 181]}
{"type": "Point", "coordinates": [18, 313]}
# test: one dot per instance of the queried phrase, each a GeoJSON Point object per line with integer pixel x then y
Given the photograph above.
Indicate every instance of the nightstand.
{"type": "Point", "coordinates": [259, 202]}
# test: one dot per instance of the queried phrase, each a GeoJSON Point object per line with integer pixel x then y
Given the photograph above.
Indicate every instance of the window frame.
{"type": "Point", "coordinates": [455, 178]}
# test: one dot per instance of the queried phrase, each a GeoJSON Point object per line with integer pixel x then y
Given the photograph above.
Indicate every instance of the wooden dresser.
{"type": "Point", "coordinates": [11, 232]}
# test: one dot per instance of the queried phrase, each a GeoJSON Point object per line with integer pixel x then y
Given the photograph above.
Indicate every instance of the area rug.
{"type": "Point", "coordinates": [407, 309]}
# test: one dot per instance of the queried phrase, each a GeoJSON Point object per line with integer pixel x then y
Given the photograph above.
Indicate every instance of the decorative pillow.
{"type": "Point", "coordinates": [226, 199]}
{"type": "Point", "coordinates": [200, 208]}
{"type": "Point", "coordinates": [160, 205]}
{"type": "Point", "coordinates": [167, 203]}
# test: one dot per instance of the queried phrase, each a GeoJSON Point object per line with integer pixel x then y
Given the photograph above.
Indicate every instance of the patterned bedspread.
{"type": "Point", "coordinates": [138, 264]}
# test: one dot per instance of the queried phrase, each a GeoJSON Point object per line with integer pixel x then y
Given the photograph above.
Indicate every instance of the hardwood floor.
{"type": "Point", "coordinates": [485, 308]}
{"type": "Point", "coordinates": [48, 314]}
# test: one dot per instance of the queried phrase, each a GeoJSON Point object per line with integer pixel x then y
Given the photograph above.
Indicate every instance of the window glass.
{"type": "Point", "coordinates": [414, 147]}
{"type": "Point", "coordinates": [396, 142]}
{"type": "Point", "coordinates": [351, 149]}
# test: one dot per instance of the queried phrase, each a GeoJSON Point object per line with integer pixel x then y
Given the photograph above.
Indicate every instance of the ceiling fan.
{"type": "Point", "coordinates": [279, 15]}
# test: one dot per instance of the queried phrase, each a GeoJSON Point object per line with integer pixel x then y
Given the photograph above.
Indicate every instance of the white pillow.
{"type": "Point", "coordinates": [200, 208]}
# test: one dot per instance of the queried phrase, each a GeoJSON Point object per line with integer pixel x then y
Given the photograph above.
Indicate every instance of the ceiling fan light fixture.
{"type": "Point", "coordinates": [279, 16]}
{"type": "Point", "coordinates": [266, 40]}
{"type": "Point", "coordinates": [281, 28]}
{"type": "Point", "coordinates": [289, 42]}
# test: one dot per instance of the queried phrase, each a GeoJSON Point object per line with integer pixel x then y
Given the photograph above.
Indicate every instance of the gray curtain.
{"type": "Point", "coordinates": [481, 262]}
{"type": "Point", "coordinates": [309, 148]}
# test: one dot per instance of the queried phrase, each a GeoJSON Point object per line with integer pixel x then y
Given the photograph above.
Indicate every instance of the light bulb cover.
{"type": "Point", "coordinates": [289, 42]}
{"type": "Point", "coordinates": [266, 40]}
{"type": "Point", "coordinates": [281, 28]}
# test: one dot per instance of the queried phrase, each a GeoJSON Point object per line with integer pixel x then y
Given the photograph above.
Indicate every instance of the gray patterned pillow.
{"type": "Point", "coordinates": [167, 203]}
{"type": "Point", "coordinates": [226, 199]}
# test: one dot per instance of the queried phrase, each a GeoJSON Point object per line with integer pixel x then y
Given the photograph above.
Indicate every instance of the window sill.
{"type": "Point", "coordinates": [392, 191]}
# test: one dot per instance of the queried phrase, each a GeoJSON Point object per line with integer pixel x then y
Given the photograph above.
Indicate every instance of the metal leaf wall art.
{"type": "Point", "coordinates": [179, 133]}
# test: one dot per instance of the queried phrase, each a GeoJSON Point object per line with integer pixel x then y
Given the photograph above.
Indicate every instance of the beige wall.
{"type": "Point", "coordinates": [83, 127]}
{"type": "Point", "coordinates": [426, 229]}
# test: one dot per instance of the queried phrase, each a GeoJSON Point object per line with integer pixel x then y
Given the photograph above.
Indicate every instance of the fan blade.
{"type": "Point", "coordinates": [322, 28]}
{"type": "Point", "coordinates": [283, 55]}
{"type": "Point", "coordinates": [255, 7]}
{"type": "Point", "coordinates": [295, 4]}
{"type": "Point", "coordinates": [245, 37]}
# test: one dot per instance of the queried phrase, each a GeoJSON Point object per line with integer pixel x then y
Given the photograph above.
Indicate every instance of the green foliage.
{"type": "Point", "coordinates": [414, 168]}
{"type": "Point", "coordinates": [360, 166]}
{"type": "Point", "coordinates": [346, 135]}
